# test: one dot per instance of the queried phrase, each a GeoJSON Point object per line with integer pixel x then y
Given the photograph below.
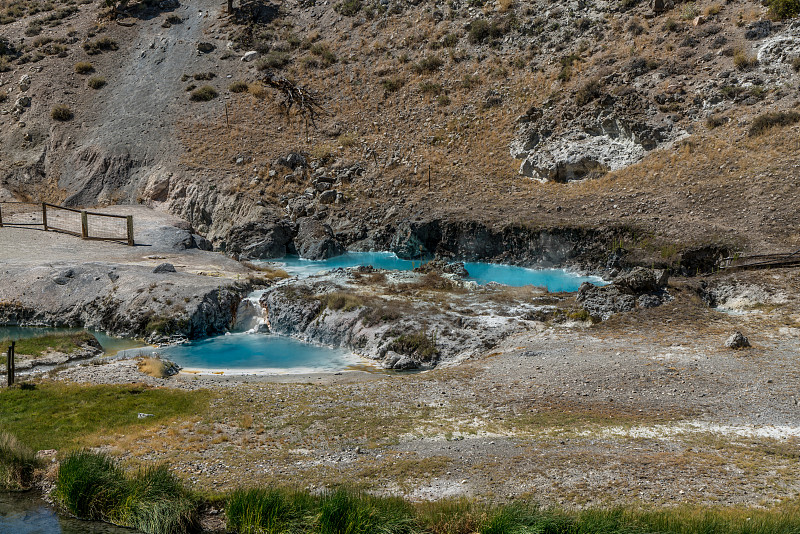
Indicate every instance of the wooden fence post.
{"type": "Point", "coordinates": [129, 220]}
{"type": "Point", "coordinates": [84, 225]}
{"type": "Point", "coordinates": [44, 216]}
{"type": "Point", "coordinates": [10, 367]}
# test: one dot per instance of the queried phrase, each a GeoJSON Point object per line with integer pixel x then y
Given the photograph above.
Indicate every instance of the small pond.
{"type": "Point", "coordinates": [111, 345]}
{"type": "Point", "coordinates": [256, 353]}
{"type": "Point", "coordinates": [511, 275]}
{"type": "Point", "coordinates": [26, 513]}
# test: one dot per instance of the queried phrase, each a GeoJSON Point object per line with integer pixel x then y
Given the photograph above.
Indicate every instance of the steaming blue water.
{"type": "Point", "coordinates": [269, 354]}
{"type": "Point", "coordinates": [482, 273]}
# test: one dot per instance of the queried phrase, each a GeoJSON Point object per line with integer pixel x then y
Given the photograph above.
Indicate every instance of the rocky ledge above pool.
{"type": "Point", "coordinates": [407, 320]}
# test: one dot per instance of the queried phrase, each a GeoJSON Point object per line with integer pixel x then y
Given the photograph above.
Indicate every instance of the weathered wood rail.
{"type": "Point", "coordinates": [761, 261]}
{"type": "Point", "coordinates": [81, 223]}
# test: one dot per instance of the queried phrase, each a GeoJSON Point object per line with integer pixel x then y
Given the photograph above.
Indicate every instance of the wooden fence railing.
{"type": "Point", "coordinates": [81, 223]}
{"type": "Point", "coordinates": [761, 261]}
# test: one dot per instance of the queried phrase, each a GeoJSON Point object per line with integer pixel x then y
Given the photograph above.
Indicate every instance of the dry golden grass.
{"type": "Point", "coordinates": [154, 367]}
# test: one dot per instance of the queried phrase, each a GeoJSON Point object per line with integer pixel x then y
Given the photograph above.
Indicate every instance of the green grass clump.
{"type": "Point", "coordinates": [204, 94]}
{"type": "Point", "coordinates": [238, 87]}
{"type": "Point", "coordinates": [66, 343]}
{"type": "Point", "coordinates": [61, 112]}
{"type": "Point", "coordinates": [392, 85]}
{"type": "Point", "coordinates": [418, 344]}
{"type": "Point", "coordinates": [566, 67]}
{"type": "Point", "coordinates": [83, 67]}
{"type": "Point", "coordinates": [267, 511]}
{"type": "Point", "coordinates": [96, 82]}
{"type": "Point", "coordinates": [481, 30]}
{"type": "Point", "coordinates": [92, 486]}
{"type": "Point", "coordinates": [56, 415]}
{"type": "Point", "coordinates": [17, 464]}
{"type": "Point", "coordinates": [743, 61]}
{"type": "Point", "coordinates": [341, 301]}
{"type": "Point", "coordinates": [764, 122]}
{"type": "Point", "coordinates": [589, 91]}
{"type": "Point", "coordinates": [430, 88]}
{"type": "Point", "coordinates": [348, 512]}
{"type": "Point", "coordinates": [325, 53]}
{"type": "Point", "coordinates": [344, 511]}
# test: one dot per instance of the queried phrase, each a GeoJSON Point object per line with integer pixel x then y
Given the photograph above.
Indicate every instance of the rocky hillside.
{"type": "Point", "coordinates": [650, 129]}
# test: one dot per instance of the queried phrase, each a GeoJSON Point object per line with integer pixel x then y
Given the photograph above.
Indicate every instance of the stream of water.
{"type": "Point", "coordinates": [482, 273]}
{"type": "Point", "coordinates": [27, 513]}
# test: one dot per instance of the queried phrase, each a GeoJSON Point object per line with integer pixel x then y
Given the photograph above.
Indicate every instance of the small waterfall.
{"type": "Point", "coordinates": [250, 315]}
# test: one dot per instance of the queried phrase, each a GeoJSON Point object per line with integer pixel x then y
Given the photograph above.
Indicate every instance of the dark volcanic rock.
{"type": "Point", "coordinates": [315, 240]}
{"type": "Point", "coordinates": [165, 268]}
{"type": "Point", "coordinates": [261, 239]}
{"type": "Point", "coordinates": [640, 287]}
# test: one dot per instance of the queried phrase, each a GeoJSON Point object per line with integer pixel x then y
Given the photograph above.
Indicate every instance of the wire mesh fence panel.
{"type": "Point", "coordinates": [65, 220]}
{"type": "Point", "coordinates": [102, 226]}
{"type": "Point", "coordinates": [20, 214]}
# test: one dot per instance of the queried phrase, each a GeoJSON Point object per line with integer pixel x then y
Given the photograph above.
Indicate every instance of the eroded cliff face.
{"type": "Point", "coordinates": [595, 142]}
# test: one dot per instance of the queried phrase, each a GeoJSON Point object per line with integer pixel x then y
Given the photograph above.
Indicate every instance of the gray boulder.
{"type": "Point", "coordinates": [660, 6]}
{"type": "Point", "coordinates": [328, 197]}
{"type": "Point", "coordinates": [202, 243]}
{"type": "Point", "coordinates": [640, 280]}
{"type": "Point", "coordinates": [315, 240]}
{"type": "Point", "coordinates": [292, 160]}
{"type": "Point", "coordinates": [441, 266]}
{"type": "Point", "coordinates": [405, 363]}
{"type": "Point", "coordinates": [759, 29]}
{"type": "Point", "coordinates": [603, 302]}
{"type": "Point", "coordinates": [737, 340]}
{"type": "Point", "coordinates": [164, 268]}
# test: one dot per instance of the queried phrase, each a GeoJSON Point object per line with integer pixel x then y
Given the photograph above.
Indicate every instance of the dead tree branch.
{"type": "Point", "coordinates": [295, 96]}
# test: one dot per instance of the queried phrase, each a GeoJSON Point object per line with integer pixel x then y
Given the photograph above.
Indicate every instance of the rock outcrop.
{"type": "Point", "coordinates": [608, 139]}
{"type": "Point", "coordinates": [737, 340]}
{"type": "Point", "coordinates": [122, 300]}
{"type": "Point", "coordinates": [641, 287]}
{"type": "Point", "coordinates": [316, 241]}
{"type": "Point", "coordinates": [332, 309]}
{"type": "Point", "coordinates": [261, 240]}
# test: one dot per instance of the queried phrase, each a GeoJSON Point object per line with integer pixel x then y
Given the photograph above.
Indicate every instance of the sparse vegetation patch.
{"type": "Point", "coordinates": [98, 46]}
{"type": "Point", "coordinates": [96, 82]}
{"type": "Point", "coordinates": [204, 94]}
{"type": "Point", "coordinates": [83, 67]}
{"type": "Point", "coordinates": [17, 463]}
{"type": "Point", "coordinates": [61, 112]}
{"type": "Point", "coordinates": [764, 122]}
